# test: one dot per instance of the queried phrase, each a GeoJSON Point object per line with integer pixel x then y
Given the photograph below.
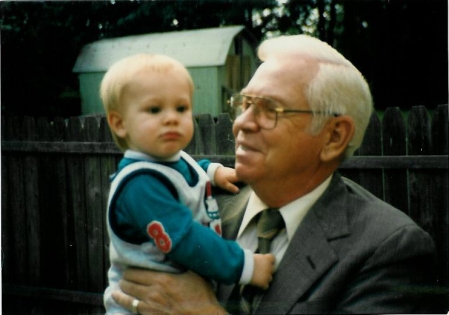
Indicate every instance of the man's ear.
{"type": "Point", "coordinates": [116, 124]}
{"type": "Point", "coordinates": [340, 131]}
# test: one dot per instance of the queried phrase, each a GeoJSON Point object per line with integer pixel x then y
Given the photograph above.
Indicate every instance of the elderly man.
{"type": "Point", "coordinates": [338, 248]}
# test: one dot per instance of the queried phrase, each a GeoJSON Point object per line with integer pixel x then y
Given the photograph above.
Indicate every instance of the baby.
{"type": "Point", "coordinates": [161, 213]}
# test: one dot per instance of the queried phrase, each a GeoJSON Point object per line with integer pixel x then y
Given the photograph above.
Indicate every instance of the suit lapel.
{"type": "Point", "coordinates": [232, 209]}
{"type": "Point", "coordinates": [309, 254]}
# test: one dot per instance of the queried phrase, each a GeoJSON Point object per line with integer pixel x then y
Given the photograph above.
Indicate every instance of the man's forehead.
{"type": "Point", "coordinates": [293, 70]}
{"type": "Point", "coordinates": [292, 64]}
{"type": "Point", "coordinates": [284, 80]}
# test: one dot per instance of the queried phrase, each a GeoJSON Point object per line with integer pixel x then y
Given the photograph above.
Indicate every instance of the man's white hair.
{"type": "Point", "coordinates": [337, 87]}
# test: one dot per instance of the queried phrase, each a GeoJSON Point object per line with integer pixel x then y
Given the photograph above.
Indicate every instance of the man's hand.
{"type": "Point", "coordinates": [166, 293]}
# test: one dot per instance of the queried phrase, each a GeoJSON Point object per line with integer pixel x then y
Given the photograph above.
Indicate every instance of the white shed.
{"type": "Point", "coordinates": [220, 61]}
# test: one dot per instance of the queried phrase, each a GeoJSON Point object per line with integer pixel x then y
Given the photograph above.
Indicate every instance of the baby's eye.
{"type": "Point", "coordinates": [182, 108]}
{"type": "Point", "coordinates": [154, 110]}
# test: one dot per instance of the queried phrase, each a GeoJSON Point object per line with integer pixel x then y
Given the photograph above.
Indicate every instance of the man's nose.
{"type": "Point", "coordinates": [246, 120]}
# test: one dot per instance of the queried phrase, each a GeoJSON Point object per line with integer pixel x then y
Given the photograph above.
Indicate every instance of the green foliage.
{"type": "Point", "coordinates": [41, 40]}
{"type": "Point", "coordinates": [400, 46]}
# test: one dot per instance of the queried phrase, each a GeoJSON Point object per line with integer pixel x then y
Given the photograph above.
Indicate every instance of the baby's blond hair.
{"type": "Point", "coordinates": [123, 71]}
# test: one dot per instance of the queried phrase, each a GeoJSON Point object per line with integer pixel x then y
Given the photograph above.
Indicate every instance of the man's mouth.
{"type": "Point", "coordinates": [244, 147]}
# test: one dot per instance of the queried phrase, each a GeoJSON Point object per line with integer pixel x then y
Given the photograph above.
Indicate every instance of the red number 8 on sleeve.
{"type": "Point", "coordinates": [156, 231]}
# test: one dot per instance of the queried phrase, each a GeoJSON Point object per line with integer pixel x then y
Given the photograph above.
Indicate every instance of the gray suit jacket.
{"type": "Point", "coordinates": [353, 253]}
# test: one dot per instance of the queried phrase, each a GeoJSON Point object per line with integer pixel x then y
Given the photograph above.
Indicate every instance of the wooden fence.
{"type": "Point", "coordinates": [55, 187]}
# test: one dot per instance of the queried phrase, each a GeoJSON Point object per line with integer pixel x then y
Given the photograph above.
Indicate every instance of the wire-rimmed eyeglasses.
{"type": "Point", "coordinates": [265, 110]}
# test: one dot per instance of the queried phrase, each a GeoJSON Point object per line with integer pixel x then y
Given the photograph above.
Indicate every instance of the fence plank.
{"type": "Point", "coordinates": [18, 256]}
{"type": "Point", "coordinates": [6, 240]}
{"type": "Point", "coordinates": [2, 126]}
{"type": "Point", "coordinates": [196, 145]}
{"type": "Point", "coordinates": [59, 132]}
{"type": "Point", "coordinates": [12, 129]}
{"type": "Point", "coordinates": [54, 294]}
{"type": "Point", "coordinates": [394, 143]}
{"type": "Point", "coordinates": [206, 125]}
{"type": "Point", "coordinates": [31, 181]}
{"type": "Point", "coordinates": [66, 212]}
{"type": "Point", "coordinates": [440, 138]}
{"type": "Point", "coordinates": [72, 147]}
{"type": "Point", "coordinates": [372, 146]}
{"type": "Point", "coordinates": [440, 143]}
{"type": "Point", "coordinates": [422, 190]}
{"type": "Point", "coordinates": [95, 217]}
{"type": "Point", "coordinates": [13, 207]}
{"type": "Point", "coordinates": [54, 214]}
{"type": "Point", "coordinates": [47, 219]}
{"type": "Point", "coordinates": [224, 135]}
{"type": "Point", "coordinates": [108, 167]}
{"type": "Point", "coordinates": [95, 229]}
{"type": "Point", "coordinates": [77, 204]}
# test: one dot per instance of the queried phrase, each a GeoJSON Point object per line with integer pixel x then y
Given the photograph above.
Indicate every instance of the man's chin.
{"type": "Point", "coordinates": [245, 173]}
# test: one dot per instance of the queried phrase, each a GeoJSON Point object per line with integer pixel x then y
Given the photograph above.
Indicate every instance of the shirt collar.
{"type": "Point", "coordinates": [292, 213]}
{"type": "Point", "coordinates": [136, 155]}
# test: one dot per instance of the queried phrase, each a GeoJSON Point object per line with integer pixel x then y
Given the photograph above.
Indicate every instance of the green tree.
{"type": "Point", "coordinates": [399, 45]}
{"type": "Point", "coordinates": [41, 40]}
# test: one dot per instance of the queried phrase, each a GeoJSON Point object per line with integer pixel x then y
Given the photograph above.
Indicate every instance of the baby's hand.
{"type": "Point", "coordinates": [263, 270]}
{"type": "Point", "coordinates": [225, 177]}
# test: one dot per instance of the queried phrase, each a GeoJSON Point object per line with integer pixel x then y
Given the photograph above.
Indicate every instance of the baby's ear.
{"type": "Point", "coordinates": [116, 124]}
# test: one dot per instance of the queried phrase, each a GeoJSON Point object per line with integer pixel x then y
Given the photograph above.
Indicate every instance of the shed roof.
{"type": "Point", "coordinates": [193, 48]}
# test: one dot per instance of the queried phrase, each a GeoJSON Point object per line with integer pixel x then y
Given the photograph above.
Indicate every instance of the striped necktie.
{"type": "Point", "coordinates": [269, 225]}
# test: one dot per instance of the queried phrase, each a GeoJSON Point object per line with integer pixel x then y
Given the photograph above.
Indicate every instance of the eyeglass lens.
{"type": "Point", "coordinates": [263, 109]}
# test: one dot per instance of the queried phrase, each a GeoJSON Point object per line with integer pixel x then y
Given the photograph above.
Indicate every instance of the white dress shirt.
{"type": "Point", "coordinates": [292, 213]}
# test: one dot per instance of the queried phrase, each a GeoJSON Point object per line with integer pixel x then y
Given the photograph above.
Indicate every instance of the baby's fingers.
{"type": "Point", "coordinates": [231, 188]}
